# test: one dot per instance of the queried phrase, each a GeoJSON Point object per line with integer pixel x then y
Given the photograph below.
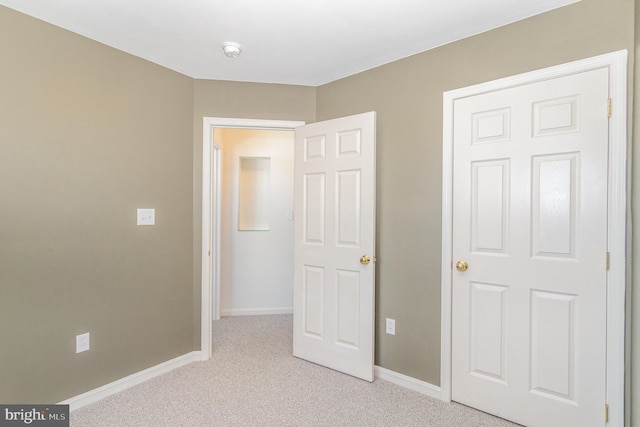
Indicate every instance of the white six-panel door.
{"type": "Point", "coordinates": [334, 286]}
{"type": "Point", "coordinates": [530, 222]}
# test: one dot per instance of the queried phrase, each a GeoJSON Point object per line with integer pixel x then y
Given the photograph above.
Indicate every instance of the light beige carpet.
{"type": "Point", "coordinates": [253, 380]}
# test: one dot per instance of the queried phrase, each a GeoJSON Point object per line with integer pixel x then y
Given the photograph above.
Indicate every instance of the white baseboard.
{"type": "Point", "coordinates": [122, 384]}
{"type": "Point", "coordinates": [255, 311]}
{"type": "Point", "coordinates": [130, 381]}
{"type": "Point", "coordinates": [408, 382]}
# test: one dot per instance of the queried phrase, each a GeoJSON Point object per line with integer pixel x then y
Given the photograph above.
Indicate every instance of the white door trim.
{"type": "Point", "coordinates": [210, 293]}
{"type": "Point", "coordinates": [216, 221]}
{"type": "Point", "coordinates": [617, 220]}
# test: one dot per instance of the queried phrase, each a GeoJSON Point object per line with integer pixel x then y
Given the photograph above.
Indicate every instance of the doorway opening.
{"type": "Point", "coordinates": [256, 222]}
{"type": "Point", "coordinates": [212, 205]}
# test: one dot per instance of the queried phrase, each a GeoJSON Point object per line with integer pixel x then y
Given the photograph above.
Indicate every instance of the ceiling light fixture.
{"type": "Point", "coordinates": [231, 49]}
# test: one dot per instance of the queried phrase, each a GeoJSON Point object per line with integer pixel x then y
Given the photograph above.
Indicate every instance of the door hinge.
{"type": "Point", "coordinates": [209, 253]}
{"type": "Point", "coordinates": [606, 413]}
{"type": "Point", "coordinates": [609, 107]}
{"type": "Point", "coordinates": [607, 256]}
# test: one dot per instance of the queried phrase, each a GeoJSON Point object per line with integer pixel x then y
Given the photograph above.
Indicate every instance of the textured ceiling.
{"type": "Point", "coordinates": [305, 42]}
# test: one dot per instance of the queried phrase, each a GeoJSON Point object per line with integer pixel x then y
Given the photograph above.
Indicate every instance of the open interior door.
{"type": "Point", "coordinates": [334, 249]}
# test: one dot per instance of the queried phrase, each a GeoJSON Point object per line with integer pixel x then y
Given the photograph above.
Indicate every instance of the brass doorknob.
{"type": "Point", "coordinates": [462, 266]}
{"type": "Point", "coordinates": [364, 259]}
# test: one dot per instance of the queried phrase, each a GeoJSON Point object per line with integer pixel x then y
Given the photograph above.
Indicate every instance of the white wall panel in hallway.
{"type": "Point", "coordinates": [256, 264]}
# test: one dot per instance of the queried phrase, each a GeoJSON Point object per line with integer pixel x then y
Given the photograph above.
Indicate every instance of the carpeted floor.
{"type": "Point", "coordinates": [253, 380]}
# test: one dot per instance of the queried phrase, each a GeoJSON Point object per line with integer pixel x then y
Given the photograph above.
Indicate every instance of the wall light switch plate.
{"type": "Point", "coordinates": [146, 216]}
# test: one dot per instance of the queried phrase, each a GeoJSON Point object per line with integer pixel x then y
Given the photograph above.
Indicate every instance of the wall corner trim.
{"type": "Point", "coordinates": [122, 384]}
{"type": "Point", "coordinates": [408, 382]}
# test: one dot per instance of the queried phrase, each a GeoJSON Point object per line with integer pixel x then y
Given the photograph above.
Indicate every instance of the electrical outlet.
{"type": "Point", "coordinates": [82, 342]}
{"type": "Point", "coordinates": [391, 326]}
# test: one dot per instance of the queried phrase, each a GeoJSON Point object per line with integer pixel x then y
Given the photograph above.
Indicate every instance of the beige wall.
{"type": "Point", "coordinates": [87, 135]}
{"type": "Point", "coordinates": [407, 96]}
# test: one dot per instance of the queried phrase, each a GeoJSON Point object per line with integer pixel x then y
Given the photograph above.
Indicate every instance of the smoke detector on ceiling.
{"type": "Point", "coordinates": [231, 49]}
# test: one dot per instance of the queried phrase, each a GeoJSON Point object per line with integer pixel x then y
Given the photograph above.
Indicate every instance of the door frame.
{"type": "Point", "coordinates": [617, 216]}
{"type": "Point", "coordinates": [211, 200]}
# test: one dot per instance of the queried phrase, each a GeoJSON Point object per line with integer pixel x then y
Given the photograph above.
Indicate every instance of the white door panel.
{"type": "Point", "coordinates": [530, 219]}
{"type": "Point", "coordinates": [335, 227]}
